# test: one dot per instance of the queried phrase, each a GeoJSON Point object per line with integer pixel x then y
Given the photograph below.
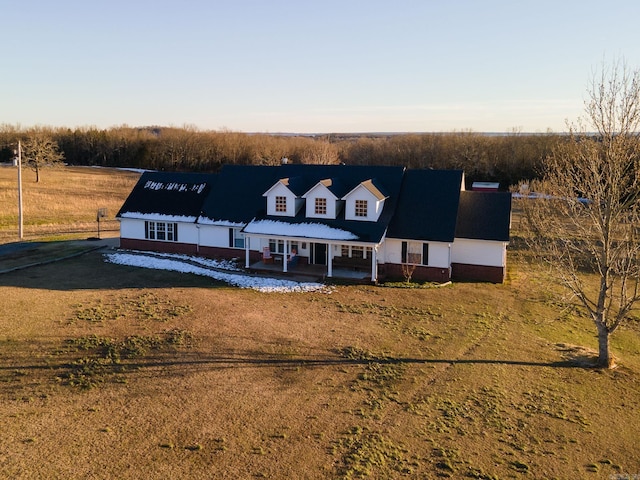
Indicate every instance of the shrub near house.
{"type": "Point", "coordinates": [368, 218]}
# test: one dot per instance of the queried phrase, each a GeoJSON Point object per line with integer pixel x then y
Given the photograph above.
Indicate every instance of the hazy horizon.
{"type": "Point", "coordinates": [285, 66]}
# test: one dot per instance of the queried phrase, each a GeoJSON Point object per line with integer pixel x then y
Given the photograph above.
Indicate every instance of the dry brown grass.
{"type": "Point", "coordinates": [64, 203]}
{"type": "Point", "coordinates": [109, 371]}
{"type": "Point", "coordinates": [468, 381]}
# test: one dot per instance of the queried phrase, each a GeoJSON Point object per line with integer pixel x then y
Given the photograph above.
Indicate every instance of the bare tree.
{"type": "Point", "coordinates": [40, 150]}
{"type": "Point", "coordinates": [587, 225]}
{"type": "Point", "coordinates": [407, 271]}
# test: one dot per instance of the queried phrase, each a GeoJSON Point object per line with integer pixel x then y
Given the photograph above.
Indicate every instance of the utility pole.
{"type": "Point", "coordinates": [20, 232]}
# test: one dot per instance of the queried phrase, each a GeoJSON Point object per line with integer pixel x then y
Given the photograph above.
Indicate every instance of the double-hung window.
{"type": "Point", "coordinates": [415, 253]}
{"type": "Point", "coordinates": [356, 251]}
{"type": "Point", "coordinates": [163, 231]}
{"type": "Point", "coordinates": [277, 246]}
{"type": "Point", "coordinates": [236, 238]}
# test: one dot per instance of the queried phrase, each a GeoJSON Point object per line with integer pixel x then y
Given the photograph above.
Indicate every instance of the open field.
{"type": "Point", "coordinates": [109, 371]}
{"type": "Point", "coordinates": [115, 372]}
{"type": "Point", "coordinates": [64, 203]}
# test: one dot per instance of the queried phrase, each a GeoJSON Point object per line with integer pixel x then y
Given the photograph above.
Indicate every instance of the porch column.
{"type": "Point", "coordinates": [374, 263]}
{"type": "Point", "coordinates": [329, 260]}
{"type": "Point", "coordinates": [285, 256]}
{"type": "Point", "coordinates": [246, 252]}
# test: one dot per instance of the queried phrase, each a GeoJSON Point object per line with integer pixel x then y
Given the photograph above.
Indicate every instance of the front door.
{"type": "Point", "coordinates": [319, 253]}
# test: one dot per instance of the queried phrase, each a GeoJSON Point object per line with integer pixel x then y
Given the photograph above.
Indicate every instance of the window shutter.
{"type": "Point", "coordinates": [175, 232]}
{"type": "Point", "coordinates": [404, 252]}
{"type": "Point", "coordinates": [231, 238]}
{"type": "Point", "coordinates": [146, 229]}
{"type": "Point", "coordinates": [425, 254]}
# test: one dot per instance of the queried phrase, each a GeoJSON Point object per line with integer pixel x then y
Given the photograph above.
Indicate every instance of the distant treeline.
{"type": "Point", "coordinates": [504, 158]}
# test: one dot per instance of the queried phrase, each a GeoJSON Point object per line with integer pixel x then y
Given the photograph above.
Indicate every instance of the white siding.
{"type": "Point", "coordinates": [374, 206]}
{"type": "Point", "coordinates": [320, 191]}
{"type": "Point", "coordinates": [132, 228]}
{"type": "Point", "coordinates": [214, 236]}
{"type": "Point", "coordinates": [479, 252]}
{"type": "Point", "coordinates": [293, 204]}
{"type": "Point", "coordinates": [187, 233]}
{"type": "Point", "coordinates": [392, 253]}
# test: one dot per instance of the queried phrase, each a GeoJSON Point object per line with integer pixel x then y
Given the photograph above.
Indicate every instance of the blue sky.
{"type": "Point", "coordinates": [308, 66]}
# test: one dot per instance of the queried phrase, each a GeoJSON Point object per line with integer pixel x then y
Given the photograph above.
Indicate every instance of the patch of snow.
{"type": "Point", "coordinates": [175, 186]}
{"type": "Point", "coordinates": [205, 262]}
{"type": "Point", "coordinates": [306, 230]}
{"type": "Point", "coordinates": [135, 170]}
{"type": "Point", "coordinates": [159, 217]}
{"type": "Point", "coordinates": [175, 264]}
{"type": "Point", "coordinates": [220, 223]}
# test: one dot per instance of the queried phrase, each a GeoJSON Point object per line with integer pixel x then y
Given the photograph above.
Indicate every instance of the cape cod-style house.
{"type": "Point", "coordinates": [374, 222]}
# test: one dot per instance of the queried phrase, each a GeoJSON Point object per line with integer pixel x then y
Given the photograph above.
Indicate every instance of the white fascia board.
{"type": "Point", "coordinates": [319, 185]}
{"type": "Point", "coordinates": [159, 217]}
{"type": "Point", "coordinates": [275, 185]}
{"type": "Point", "coordinates": [220, 223]}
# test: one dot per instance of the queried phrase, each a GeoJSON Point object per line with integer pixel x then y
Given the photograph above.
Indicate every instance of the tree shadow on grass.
{"type": "Point", "coordinates": [92, 367]}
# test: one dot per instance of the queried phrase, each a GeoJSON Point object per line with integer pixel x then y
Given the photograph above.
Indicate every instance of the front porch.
{"type": "Point", "coordinates": [318, 259]}
{"type": "Point", "coordinates": [307, 272]}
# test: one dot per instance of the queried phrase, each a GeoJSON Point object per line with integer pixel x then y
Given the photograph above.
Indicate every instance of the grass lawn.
{"type": "Point", "coordinates": [116, 372]}
{"type": "Point", "coordinates": [108, 371]}
{"type": "Point", "coordinates": [64, 203]}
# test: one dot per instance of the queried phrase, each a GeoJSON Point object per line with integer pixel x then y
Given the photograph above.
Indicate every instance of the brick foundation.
{"type": "Point", "coordinates": [392, 271]}
{"type": "Point", "coordinates": [477, 273]}
{"type": "Point", "coordinates": [386, 272]}
{"type": "Point", "coordinates": [155, 246]}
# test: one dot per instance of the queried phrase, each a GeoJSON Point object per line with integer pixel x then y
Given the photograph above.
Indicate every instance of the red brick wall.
{"type": "Point", "coordinates": [478, 273]}
{"type": "Point", "coordinates": [155, 246]}
{"type": "Point", "coordinates": [393, 271]}
{"type": "Point", "coordinates": [229, 253]}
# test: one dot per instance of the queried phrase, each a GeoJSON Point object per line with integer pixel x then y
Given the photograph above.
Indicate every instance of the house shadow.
{"type": "Point", "coordinates": [88, 269]}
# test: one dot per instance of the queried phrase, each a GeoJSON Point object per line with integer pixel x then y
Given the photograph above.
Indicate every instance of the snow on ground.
{"type": "Point", "coordinates": [205, 262]}
{"type": "Point", "coordinates": [178, 263]}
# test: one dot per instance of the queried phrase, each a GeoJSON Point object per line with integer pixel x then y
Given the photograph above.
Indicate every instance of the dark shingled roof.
{"type": "Point", "coordinates": [484, 216]}
{"type": "Point", "coordinates": [238, 193]}
{"type": "Point", "coordinates": [428, 206]}
{"type": "Point", "coordinates": [422, 205]}
{"type": "Point", "coordinates": [179, 194]}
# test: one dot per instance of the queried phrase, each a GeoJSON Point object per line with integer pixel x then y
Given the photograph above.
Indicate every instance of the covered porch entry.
{"type": "Point", "coordinates": [319, 258]}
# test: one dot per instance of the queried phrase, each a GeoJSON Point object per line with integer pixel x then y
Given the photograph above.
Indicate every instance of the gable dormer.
{"type": "Point", "coordinates": [364, 203]}
{"type": "Point", "coordinates": [281, 201]}
{"type": "Point", "coordinates": [321, 201]}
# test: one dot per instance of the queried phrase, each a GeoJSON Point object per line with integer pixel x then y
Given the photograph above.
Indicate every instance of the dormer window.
{"type": "Point", "coordinates": [282, 201]}
{"type": "Point", "coordinates": [281, 204]}
{"type": "Point", "coordinates": [361, 208]}
{"type": "Point", "coordinates": [364, 203]}
{"type": "Point", "coordinates": [321, 200]}
{"type": "Point", "coordinates": [321, 206]}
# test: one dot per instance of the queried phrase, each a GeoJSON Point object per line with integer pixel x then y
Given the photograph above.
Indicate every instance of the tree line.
{"type": "Point", "coordinates": [504, 158]}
